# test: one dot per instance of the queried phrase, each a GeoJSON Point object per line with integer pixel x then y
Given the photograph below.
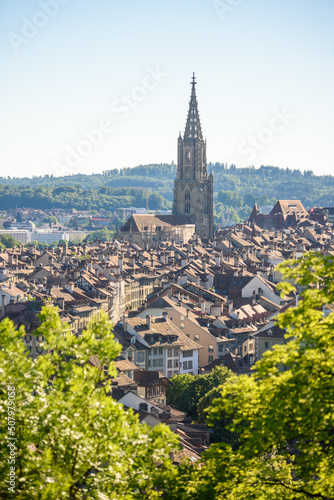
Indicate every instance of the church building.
{"type": "Point", "coordinates": [193, 193]}
{"type": "Point", "coordinates": [193, 188]}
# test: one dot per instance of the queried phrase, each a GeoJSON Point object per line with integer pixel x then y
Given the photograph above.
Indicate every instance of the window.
{"type": "Point", "coordinates": [196, 338]}
{"type": "Point", "coordinates": [169, 363]}
{"type": "Point", "coordinates": [266, 345]}
{"type": "Point", "coordinates": [187, 354]}
{"type": "Point", "coordinates": [170, 353]}
{"type": "Point", "coordinates": [245, 348]}
{"type": "Point", "coordinates": [176, 363]}
{"type": "Point", "coordinates": [181, 326]}
{"type": "Point", "coordinates": [160, 350]}
{"type": "Point", "coordinates": [140, 357]}
{"type": "Point", "coordinates": [210, 348]}
{"type": "Point", "coordinates": [176, 372]}
{"type": "Point", "coordinates": [160, 362]}
{"type": "Point", "coordinates": [220, 347]}
{"type": "Point", "coordinates": [169, 374]}
{"type": "Point", "coordinates": [187, 208]}
{"type": "Point", "coordinates": [187, 196]}
{"type": "Point", "coordinates": [185, 365]}
{"type": "Point", "coordinates": [210, 359]}
{"type": "Point", "coordinates": [155, 362]}
{"type": "Point", "coordinates": [155, 351]}
{"type": "Point", "coordinates": [181, 317]}
{"type": "Point", "coordinates": [190, 365]}
{"type": "Point", "coordinates": [176, 352]}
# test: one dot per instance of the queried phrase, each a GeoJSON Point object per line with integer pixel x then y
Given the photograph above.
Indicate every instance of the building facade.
{"type": "Point", "coordinates": [193, 188]}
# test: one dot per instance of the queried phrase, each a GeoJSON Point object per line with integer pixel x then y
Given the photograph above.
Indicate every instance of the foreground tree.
{"type": "Point", "coordinates": [72, 439]}
{"type": "Point", "coordinates": [284, 412]}
{"type": "Point", "coordinates": [187, 391]}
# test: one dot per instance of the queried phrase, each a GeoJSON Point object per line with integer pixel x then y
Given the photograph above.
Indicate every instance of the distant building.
{"type": "Point", "coordinates": [147, 231]}
{"type": "Point", "coordinates": [21, 235]}
{"type": "Point", "coordinates": [193, 188]}
{"type": "Point", "coordinates": [286, 213]}
{"type": "Point", "coordinates": [193, 193]}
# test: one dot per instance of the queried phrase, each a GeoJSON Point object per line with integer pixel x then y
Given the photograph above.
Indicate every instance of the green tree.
{"type": "Point", "coordinates": [101, 234]}
{"type": "Point", "coordinates": [7, 241]}
{"type": "Point", "coordinates": [283, 413]}
{"type": "Point", "coordinates": [73, 440]}
{"type": "Point", "coordinates": [187, 390]}
{"type": "Point", "coordinates": [50, 219]}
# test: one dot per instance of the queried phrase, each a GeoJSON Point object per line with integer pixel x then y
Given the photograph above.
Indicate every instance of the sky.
{"type": "Point", "coordinates": [93, 85]}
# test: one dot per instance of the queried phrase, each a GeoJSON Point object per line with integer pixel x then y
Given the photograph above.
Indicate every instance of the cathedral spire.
{"type": "Point", "coordinates": [193, 129]}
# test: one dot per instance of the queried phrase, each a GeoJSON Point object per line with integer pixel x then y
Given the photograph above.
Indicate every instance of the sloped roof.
{"type": "Point", "coordinates": [289, 207]}
{"type": "Point", "coordinates": [139, 223]}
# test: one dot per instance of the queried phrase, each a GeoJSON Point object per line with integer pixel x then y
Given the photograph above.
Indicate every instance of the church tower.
{"type": "Point", "coordinates": [193, 188]}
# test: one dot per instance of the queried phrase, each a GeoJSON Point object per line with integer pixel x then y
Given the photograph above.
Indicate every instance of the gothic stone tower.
{"type": "Point", "coordinates": [193, 189]}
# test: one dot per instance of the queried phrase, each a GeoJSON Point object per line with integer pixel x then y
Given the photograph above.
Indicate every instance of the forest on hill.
{"type": "Point", "coordinates": [235, 189]}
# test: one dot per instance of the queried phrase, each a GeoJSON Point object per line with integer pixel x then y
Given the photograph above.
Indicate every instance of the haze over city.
{"type": "Point", "coordinates": [263, 69]}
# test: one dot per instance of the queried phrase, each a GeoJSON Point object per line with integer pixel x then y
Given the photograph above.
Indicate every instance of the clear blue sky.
{"type": "Point", "coordinates": [264, 69]}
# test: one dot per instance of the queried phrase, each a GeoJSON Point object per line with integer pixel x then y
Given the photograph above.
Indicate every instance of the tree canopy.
{"type": "Point", "coordinates": [284, 412]}
{"type": "Point", "coordinates": [72, 439]}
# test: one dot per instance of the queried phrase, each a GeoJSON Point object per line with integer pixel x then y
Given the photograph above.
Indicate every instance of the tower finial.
{"type": "Point", "coordinates": [193, 83]}
{"type": "Point", "coordinates": [193, 125]}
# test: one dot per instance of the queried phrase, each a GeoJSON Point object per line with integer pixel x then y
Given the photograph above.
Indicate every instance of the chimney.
{"type": "Point", "coordinates": [184, 262]}
{"type": "Point", "coordinates": [254, 298]}
{"type": "Point", "coordinates": [230, 306]}
{"type": "Point", "coordinates": [61, 302]}
{"type": "Point", "coordinates": [125, 323]}
{"type": "Point", "coordinates": [120, 262]}
{"type": "Point", "coordinates": [172, 424]}
{"type": "Point", "coordinates": [218, 259]}
{"type": "Point", "coordinates": [148, 321]}
{"type": "Point", "coordinates": [202, 306]}
{"type": "Point", "coordinates": [3, 301]}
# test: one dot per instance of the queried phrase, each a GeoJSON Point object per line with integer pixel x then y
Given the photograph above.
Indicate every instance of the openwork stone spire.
{"type": "Point", "coordinates": [193, 129]}
{"type": "Point", "coordinates": [193, 188]}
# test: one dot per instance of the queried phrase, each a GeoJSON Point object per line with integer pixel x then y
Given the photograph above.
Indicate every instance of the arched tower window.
{"type": "Point", "coordinates": [187, 196]}
{"type": "Point", "coordinates": [187, 208]}
{"type": "Point", "coordinates": [188, 155]}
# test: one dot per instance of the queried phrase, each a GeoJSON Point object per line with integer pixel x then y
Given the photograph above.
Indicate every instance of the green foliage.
{"type": "Point", "coordinates": [73, 440]}
{"type": "Point", "coordinates": [283, 413]}
{"type": "Point", "coordinates": [7, 241]}
{"type": "Point", "coordinates": [238, 187]}
{"type": "Point", "coordinates": [101, 234]}
{"type": "Point", "coordinates": [187, 390]}
{"type": "Point", "coordinates": [50, 219]}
